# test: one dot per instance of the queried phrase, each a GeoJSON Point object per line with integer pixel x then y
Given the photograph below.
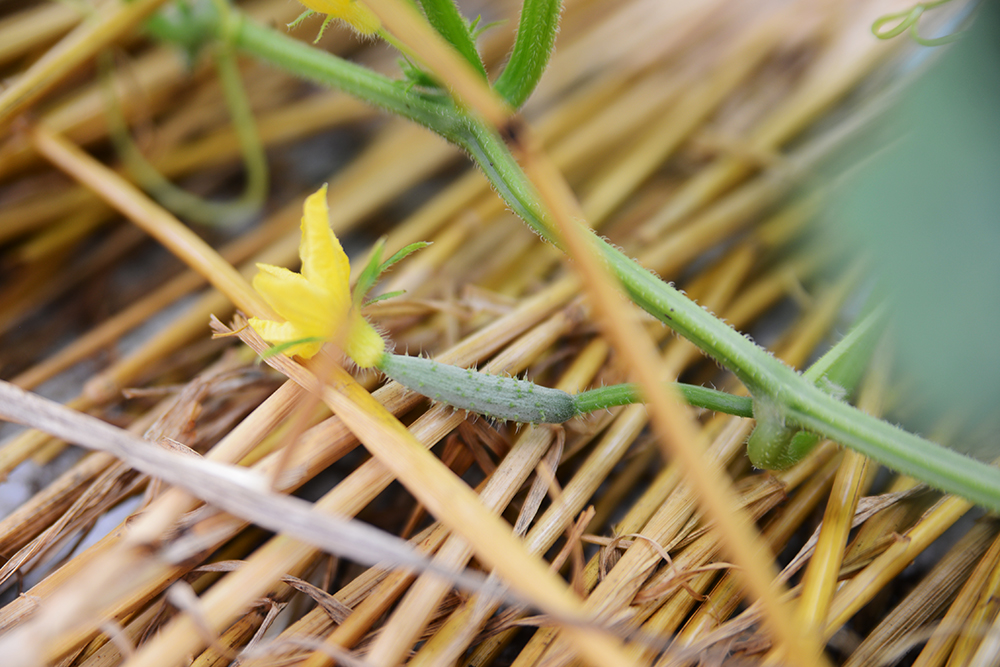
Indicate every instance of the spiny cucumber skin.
{"type": "Point", "coordinates": [494, 396]}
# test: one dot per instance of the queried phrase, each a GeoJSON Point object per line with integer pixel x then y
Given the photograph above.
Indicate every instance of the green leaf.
{"type": "Point", "coordinates": [926, 210]}
{"type": "Point", "coordinates": [476, 30]}
{"type": "Point", "coordinates": [845, 362]}
{"type": "Point", "coordinates": [374, 269]}
{"type": "Point", "coordinates": [403, 254]}
{"type": "Point", "coordinates": [383, 297]}
{"type": "Point", "coordinates": [371, 272]}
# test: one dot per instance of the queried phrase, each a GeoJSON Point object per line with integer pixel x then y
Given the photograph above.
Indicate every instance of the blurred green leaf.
{"type": "Point", "coordinates": [927, 210]}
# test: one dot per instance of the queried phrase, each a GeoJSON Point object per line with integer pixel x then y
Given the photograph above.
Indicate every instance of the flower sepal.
{"type": "Point", "coordinates": [374, 269]}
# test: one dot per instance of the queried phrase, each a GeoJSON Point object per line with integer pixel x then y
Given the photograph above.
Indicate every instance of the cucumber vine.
{"type": "Point", "coordinates": [784, 401]}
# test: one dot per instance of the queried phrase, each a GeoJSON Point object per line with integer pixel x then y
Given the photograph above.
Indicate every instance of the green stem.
{"type": "Point", "coordinates": [447, 20]}
{"type": "Point", "coordinates": [536, 35]}
{"type": "Point", "coordinates": [696, 396]}
{"type": "Point", "coordinates": [245, 125]}
{"type": "Point", "coordinates": [936, 466]}
{"type": "Point", "coordinates": [178, 200]}
{"type": "Point", "coordinates": [798, 401]}
{"type": "Point", "coordinates": [436, 112]}
{"type": "Point", "coordinates": [660, 299]}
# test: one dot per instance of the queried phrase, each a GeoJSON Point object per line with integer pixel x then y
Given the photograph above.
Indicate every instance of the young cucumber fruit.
{"type": "Point", "coordinates": [495, 396]}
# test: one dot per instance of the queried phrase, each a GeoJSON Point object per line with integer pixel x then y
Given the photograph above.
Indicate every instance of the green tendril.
{"type": "Point", "coordinates": [908, 19]}
{"type": "Point", "coordinates": [149, 177]}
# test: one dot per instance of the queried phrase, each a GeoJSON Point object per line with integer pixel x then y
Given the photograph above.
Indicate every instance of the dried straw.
{"type": "Point", "coordinates": [690, 134]}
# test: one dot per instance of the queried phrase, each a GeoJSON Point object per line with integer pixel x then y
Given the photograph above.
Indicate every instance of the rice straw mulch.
{"type": "Point", "coordinates": [693, 135]}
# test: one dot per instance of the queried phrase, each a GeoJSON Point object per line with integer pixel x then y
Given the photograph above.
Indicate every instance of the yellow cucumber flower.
{"type": "Point", "coordinates": [352, 12]}
{"type": "Point", "coordinates": [316, 304]}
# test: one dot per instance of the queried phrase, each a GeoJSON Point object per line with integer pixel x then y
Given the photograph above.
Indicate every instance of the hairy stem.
{"type": "Point", "coordinates": [436, 112]}
{"type": "Point", "coordinates": [696, 396]}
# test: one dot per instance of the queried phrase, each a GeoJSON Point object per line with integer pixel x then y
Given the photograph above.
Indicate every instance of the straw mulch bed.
{"type": "Point", "coordinates": [691, 133]}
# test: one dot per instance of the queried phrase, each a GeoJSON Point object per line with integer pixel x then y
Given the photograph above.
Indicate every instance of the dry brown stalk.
{"type": "Point", "coordinates": [731, 443]}
{"type": "Point", "coordinates": [404, 626]}
{"type": "Point", "coordinates": [436, 491]}
{"type": "Point", "coordinates": [869, 581]}
{"type": "Point", "coordinates": [36, 26]}
{"type": "Point", "coordinates": [333, 438]}
{"type": "Point", "coordinates": [79, 45]}
{"type": "Point", "coordinates": [104, 387]}
{"type": "Point", "coordinates": [901, 628]}
{"type": "Point", "coordinates": [727, 594]}
{"type": "Point", "coordinates": [506, 329]}
{"type": "Point", "coordinates": [975, 634]}
{"type": "Point", "coordinates": [844, 61]}
{"type": "Point", "coordinates": [950, 627]}
{"type": "Point", "coordinates": [116, 326]}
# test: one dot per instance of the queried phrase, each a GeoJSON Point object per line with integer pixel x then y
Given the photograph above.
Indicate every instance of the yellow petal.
{"type": "Point", "coordinates": [363, 343]}
{"type": "Point", "coordinates": [311, 308]}
{"type": "Point", "coordinates": [352, 12]}
{"type": "Point", "coordinates": [275, 332]}
{"type": "Point", "coordinates": [331, 7]}
{"type": "Point", "coordinates": [362, 19]}
{"type": "Point", "coordinates": [278, 333]}
{"type": "Point", "coordinates": [323, 259]}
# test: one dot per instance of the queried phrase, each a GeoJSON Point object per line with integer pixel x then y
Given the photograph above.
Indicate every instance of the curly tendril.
{"type": "Point", "coordinates": [908, 19]}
